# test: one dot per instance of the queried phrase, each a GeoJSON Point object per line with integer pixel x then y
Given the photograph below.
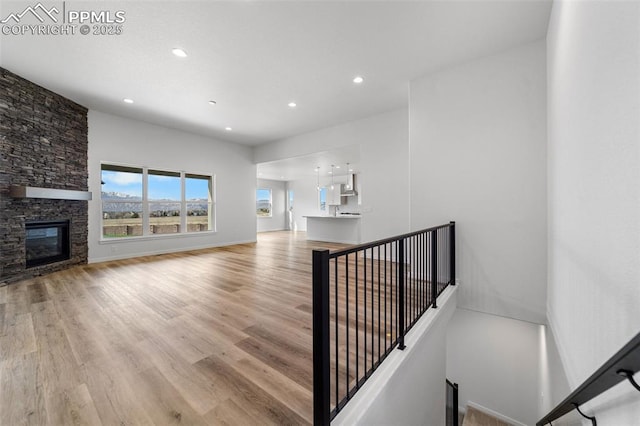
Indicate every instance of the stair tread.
{"type": "Point", "coordinates": [475, 417]}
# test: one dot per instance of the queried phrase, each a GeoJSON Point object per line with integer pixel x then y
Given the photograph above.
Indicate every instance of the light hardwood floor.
{"type": "Point", "coordinates": [217, 336]}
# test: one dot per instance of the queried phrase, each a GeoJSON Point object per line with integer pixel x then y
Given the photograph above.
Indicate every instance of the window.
{"type": "Point", "coordinates": [137, 201]}
{"type": "Point", "coordinates": [164, 195]}
{"type": "Point", "coordinates": [121, 201]}
{"type": "Point", "coordinates": [322, 199]}
{"type": "Point", "coordinates": [290, 192]}
{"type": "Point", "coordinates": [198, 190]}
{"type": "Point", "coordinates": [263, 202]}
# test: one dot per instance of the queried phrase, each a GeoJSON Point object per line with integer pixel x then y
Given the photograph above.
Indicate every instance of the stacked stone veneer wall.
{"type": "Point", "coordinates": [43, 143]}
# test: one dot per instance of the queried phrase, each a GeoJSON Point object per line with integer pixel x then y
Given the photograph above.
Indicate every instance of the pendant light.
{"type": "Point", "coordinates": [332, 166]}
{"type": "Point", "coordinates": [348, 180]}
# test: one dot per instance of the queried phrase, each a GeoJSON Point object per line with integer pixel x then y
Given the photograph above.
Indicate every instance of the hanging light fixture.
{"type": "Point", "coordinates": [348, 186]}
{"type": "Point", "coordinates": [332, 166]}
{"type": "Point", "coordinates": [318, 178]}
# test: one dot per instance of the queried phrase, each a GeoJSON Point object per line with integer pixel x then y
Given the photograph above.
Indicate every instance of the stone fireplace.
{"type": "Point", "coordinates": [43, 145]}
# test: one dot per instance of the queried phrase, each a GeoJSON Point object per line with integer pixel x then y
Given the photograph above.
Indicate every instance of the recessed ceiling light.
{"type": "Point", "coordinates": [228, 129]}
{"type": "Point", "coordinates": [179, 52]}
{"type": "Point", "coordinates": [337, 167]}
{"type": "Point", "coordinates": [127, 101]}
{"type": "Point", "coordinates": [330, 173]}
{"type": "Point", "coordinates": [212, 102]}
{"type": "Point", "coordinates": [358, 79]}
{"type": "Point", "coordinates": [350, 170]}
{"type": "Point", "coordinates": [292, 104]}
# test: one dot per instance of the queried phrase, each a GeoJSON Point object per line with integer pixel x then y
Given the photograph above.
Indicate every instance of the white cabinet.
{"type": "Point", "coordinates": [333, 196]}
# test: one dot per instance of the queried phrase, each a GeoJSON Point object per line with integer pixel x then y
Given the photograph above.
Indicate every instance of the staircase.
{"type": "Point", "coordinates": [474, 417]}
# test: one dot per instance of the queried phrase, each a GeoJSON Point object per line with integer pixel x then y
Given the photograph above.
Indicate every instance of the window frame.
{"type": "Point", "coordinates": [145, 203]}
{"type": "Point", "coordinates": [320, 191]}
{"type": "Point", "coordinates": [270, 215]}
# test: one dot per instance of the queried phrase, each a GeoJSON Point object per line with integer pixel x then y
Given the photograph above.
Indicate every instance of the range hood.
{"type": "Point", "coordinates": [349, 189]}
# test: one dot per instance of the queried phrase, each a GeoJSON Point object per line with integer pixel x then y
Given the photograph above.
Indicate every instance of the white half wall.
{"type": "Point", "coordinates": [124, 141]}
{"type": "Point", "coordinates": [384, 176]}
{"type": "Point", "coordinates": [478, 156]}
{"type": "Point", "coordinates": [277, 221]}
{"type": "Point", "coordinates": [593, 58]}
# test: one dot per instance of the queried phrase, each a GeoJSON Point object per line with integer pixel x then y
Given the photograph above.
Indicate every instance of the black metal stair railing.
{"type": "Point", "coordinates": [621, 366]}
{"type": "Point", "coordinates": [452, 404]}
{"type": "Point", "coordinates": [365, 299]}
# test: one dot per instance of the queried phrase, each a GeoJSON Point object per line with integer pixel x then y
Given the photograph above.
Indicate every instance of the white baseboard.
{"type": "Point", "coordinates": [494, 414]}
{"type": "Point", "coordinates": [167, 251]}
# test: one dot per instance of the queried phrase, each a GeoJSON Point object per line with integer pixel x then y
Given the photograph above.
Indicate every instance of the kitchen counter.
{"type": "Point", "coordinates": [344, 216]}
{"type": "Point", "coordinates": [334, 229]}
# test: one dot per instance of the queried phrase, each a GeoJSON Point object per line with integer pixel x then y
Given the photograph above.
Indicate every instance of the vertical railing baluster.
{"type": "Point", "coordinates": [337, 340]}
{"type": "Point", "coordinates": [357, 328]}
{"type": "Point", "coordinates": [401, 296]}
{"type": "Point", "coordinates": [434, 267]}
{"type": "Point", "coordinates": [347, 382]}
{"type": "Point", "coordinates": [379, 322]}
{"type": "Point", "coordinates": [410, 290]}
{"type": "Point", "coordinates": [385, 300]}
{"type": "Point", "coordinates": [394, 275]}
{"type": "Point", "coordinates": [423, 281]}
{"type": "Point", "coordinates": [419, 271]}
{"type": "Point", "coordinates": [321, 357]}
{"type": "Point", "coordinates": [364, 292]}
{"type": "Point", "coordinates": [373, 318]}
{"type": "Point", "coordinates": [452, 252]}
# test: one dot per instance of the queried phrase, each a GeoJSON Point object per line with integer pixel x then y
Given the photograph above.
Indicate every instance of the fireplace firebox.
{"type": "Point", "coordinates": [46, 242]}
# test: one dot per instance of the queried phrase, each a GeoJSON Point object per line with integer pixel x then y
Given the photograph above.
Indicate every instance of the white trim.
{"type": "Point", "coordinates": [152, 237]}
{"type": "Point", "coordinates": [167, 251]}
{"type": "Point", "coordinates": [494, 414]}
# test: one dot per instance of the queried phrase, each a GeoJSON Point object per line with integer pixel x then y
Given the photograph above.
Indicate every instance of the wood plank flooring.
{"type": "Point", "coordinates": [217, 336]}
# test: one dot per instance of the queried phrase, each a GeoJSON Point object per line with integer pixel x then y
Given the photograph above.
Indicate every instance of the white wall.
{"type": "Point", "coordinates": [277, 221]}
{"type": "Point", "coordinates": [384, 175]}
{"type": "Point", "coordinates": [553, 384]}
{"type": "Point", "coordinates": [120, 140]}
{"type": "Point", "coordinates": [594, 190]}
{"type": "Point", "coordinates": [478, 156]}
{"type": "Point", "coordinates": [305, 201]}
{"type": "Point", "coordinates": [496, 363]}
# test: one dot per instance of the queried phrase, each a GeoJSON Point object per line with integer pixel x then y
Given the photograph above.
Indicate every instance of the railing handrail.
{"type": "Point", "coordinates": [421, 266]}
{"type": "Point", "coordinates": [621, 366]}
{"type": "Point", "coordinates": [365, 246]}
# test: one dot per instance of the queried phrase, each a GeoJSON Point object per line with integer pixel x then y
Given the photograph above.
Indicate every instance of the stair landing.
{"type": "Point", "coordinates": [475, 417]}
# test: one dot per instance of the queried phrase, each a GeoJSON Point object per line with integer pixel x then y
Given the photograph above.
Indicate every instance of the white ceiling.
{"type": "Point", "coordinates": [253, 58]}
{"type": "Point", "coordinates": [305, 166]}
